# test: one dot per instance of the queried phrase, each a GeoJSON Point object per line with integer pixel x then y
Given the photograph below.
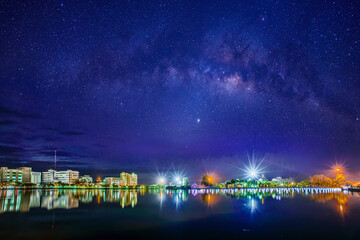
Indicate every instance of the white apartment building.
{"type": "Point", "coordinates": [68, 176]}
{"type": "Point", "coordinates": [36, 177]}
{"type": "Point", "coordinates": [49, 176]}
{"type": "Point", "coordinates": [52, 176]}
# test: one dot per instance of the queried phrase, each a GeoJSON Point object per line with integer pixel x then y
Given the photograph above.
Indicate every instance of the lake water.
{"type": "Point", "coordinates": [182, 214]}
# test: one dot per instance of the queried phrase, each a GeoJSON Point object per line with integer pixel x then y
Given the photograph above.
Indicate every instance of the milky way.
{"type": "Point", "coordinates": [190, 85]}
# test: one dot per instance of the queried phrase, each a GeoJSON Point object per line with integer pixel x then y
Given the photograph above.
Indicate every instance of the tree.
{"type": "Point", "coordinates": [304, 183]}
{"type": "Point", "coordinates": [206, 180]}
{"type": "Point", "coordinates": [339, 180]}
{"type": "Point", "coordinates": [320, 181]}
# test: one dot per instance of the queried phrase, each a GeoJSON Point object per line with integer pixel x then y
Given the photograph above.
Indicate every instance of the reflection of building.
{"type": "Point", "coordinates": [36, 177]}
{"type": "Point", "coordinates": [86, 179]}
{"type": "Point", "coordinates": [23, 200]}
{"type": "Point", "coordinates": [10, 175]}
{"type": "Point", "coordinates": [35, 199]}
{"type": "Point", "coordinates": [128, 198]}
{"type": "Point", "coordinates": [26, 174]}
{"type": "Point", "coordinates": [49, 176]}
{"type": "Point", "coordinates": [17, 201]}
{"type": "Point", "coordinates": [9, 202]}
{"type": "Point", "coordinates": [56, 200]}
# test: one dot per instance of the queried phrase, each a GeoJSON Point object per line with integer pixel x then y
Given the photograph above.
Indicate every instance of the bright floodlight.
{"type": "Point", "coordinates": [177, 177]}
{"type": "Point", "coordinates": [253, 170]}
{"type": "Point", "coordinates": [253, 173]}
{"type": "Point", "coordinates": [339, 167]}
{"type": "Point", "coordinates": [177, 180]}
{"type": "Point", "coordinates": [161, 179]}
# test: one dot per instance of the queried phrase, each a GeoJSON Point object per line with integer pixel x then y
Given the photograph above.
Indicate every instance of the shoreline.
{"type": "Point", "coordinates": [169, 188]}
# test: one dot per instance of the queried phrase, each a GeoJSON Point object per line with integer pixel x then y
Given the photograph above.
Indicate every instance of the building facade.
{"type": "Point", "coordinates": [73, 176]}
{"type": "Point", "coordinates": [68, 176]}
{"type": "Point", "coordinates": [48, 177]}
{"type": "Point", "coordinates": [114, 181]}
{"type": "Point", "coordinates": [133, 180]}
{"type": "Point", "coordinates": [185, 181]}
{"type": "Point", "coordinates": [10, 175]}
{"type": "Point", "coordinates": [62, 176]}
{"type": "Point", "coordinates": [26, 174]}
{"type": "Point", "coordinates": [129, 179]}
{"type": "Point", "coordinates": [125, 177]}
{"type": "Point", "coordinates": [36, 177]}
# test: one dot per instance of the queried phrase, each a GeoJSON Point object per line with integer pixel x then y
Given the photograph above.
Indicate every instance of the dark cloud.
{"type": "Point", "coordinates": [10, 151]}
{"type": "Point", "coordinates": [7, 122]}
{"type": "Point", "coordinates": [14, 113]}
{"type": "Point", "coordinates": [71, 133]}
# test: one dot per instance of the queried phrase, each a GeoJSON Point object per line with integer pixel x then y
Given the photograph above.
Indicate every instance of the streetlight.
{"type": "Point", "coordinates": [162, 181]}
{"type": "Point", "coordinates": [177, 180]}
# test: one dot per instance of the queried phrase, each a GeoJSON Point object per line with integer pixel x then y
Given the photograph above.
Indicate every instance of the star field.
{"type": "Point", "coordinates": [195, 84]}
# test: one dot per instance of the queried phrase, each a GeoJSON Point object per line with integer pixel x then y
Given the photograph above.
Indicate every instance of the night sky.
{"type": "Point", "coordinates": [191, 86]}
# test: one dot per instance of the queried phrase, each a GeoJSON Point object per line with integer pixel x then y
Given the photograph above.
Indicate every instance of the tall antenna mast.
{"type": "Point", "coordinates": [55, 159]}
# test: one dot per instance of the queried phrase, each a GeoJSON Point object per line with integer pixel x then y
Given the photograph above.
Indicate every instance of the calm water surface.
{"type": "Point", "coordinates": [182, 214]}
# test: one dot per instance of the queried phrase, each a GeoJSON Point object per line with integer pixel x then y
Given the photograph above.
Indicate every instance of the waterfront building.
{"type": "Point", "coordinates": [73, 176]}
{"type": "Point", "coordinates": [36, 177]}
{"type": "Point", "coordinates": [26, 174]}
{"type": "Point", "coordinates": [111, 181]}
{"type": "Point", "coordinates": [62, 176]}
{"type": "Point", "coordinates": [86, 179]}
{"type": "Point", "coordinates": [126, 177]}
{"type": "Point", "coordinates": [133, 180]}
{"type": "Point", "coordinates": [48, 177]}
{"type": "Point", "coordinates": [185, 181]}
{"type": "Point", "coordinates": [129, 179]}
{"type": "Point", "coordinates": [10, 175]}
{"type": "Point", "coordinates": [68, 176]}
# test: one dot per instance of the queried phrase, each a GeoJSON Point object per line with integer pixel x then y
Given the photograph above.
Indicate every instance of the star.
{"type": "Point", "coordinates": [198, 120]}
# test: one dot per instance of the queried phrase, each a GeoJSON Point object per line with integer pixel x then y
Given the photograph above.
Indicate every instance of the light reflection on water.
{"type": "Point", "coordinates": [25, 200]}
